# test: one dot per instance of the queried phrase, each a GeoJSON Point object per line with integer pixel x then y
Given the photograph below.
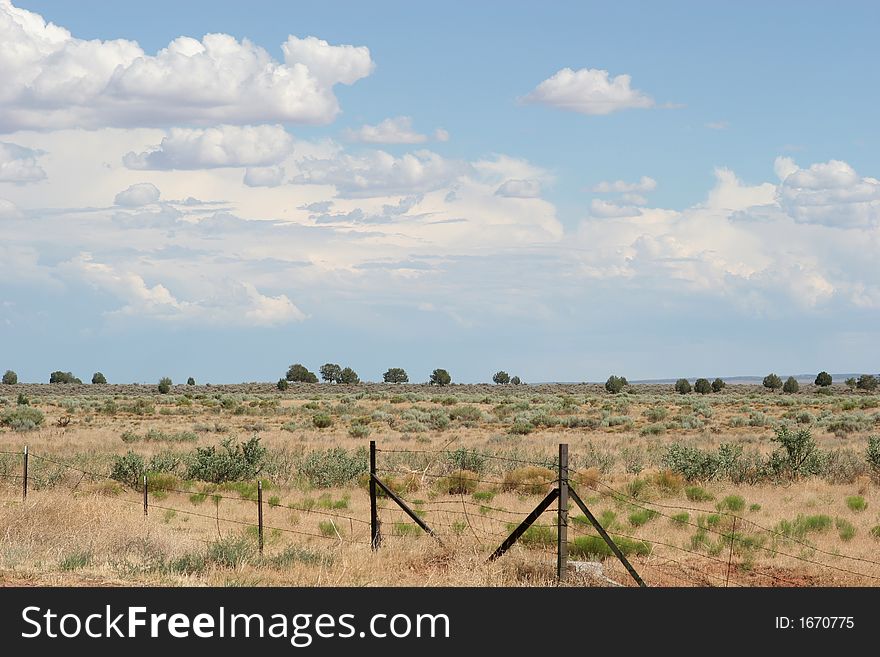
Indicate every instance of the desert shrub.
{"type": "Point", "coordinates": [805, 417]}
{"type": "Point", "coordinates": [843, 466]}
{"type": "Point", "coordinates": [718, 385]}
{"type": "Point", "coordinates": [466, 459]}
{"type": "Point", "coordinates": [22, 418]}
{"type": "Point", "coordinates": [655, 429]}
{"type": "Point", "coordinates": [501, 378]}
{"type": "Point", "coordinates": [693, 464]}
{"type": "Point", "coordinates": [164, 385]}
{"type": "Point", "coordinates": [656, 414]}
{"type": "Point", "coordinates": [22, 400]}
{"type": "Point", "coordinates": [466, 413]}
{"type": "Point", "coordinates": [615, 384]}
{"type": "Point", "coordinates": [282, 385]}
{"type": "Point", "coordinates": [823, 379]}
{"type": "Point", "coordinates": [516, 380]}
{"type": "Point", "coordinates": [800, 452]}
{"type": "Point", "coordinates": [231, 462]}
{"type": "Point", "coordinates": [98, 378]}
{"type": "Point", "coordinates": [680, 519]}
{"type": "Point", "coordinates": [642, 517]}
{"type": "Point", "coordinates": [867, 382]}
{"type": "Point", "coordinates": [791, 385]}
{"type": "Point", "coordinates": [772, 382]}
{"type": "Point", "coordinates": [594, 547]}
{"type": "Point", "coordinates": [803, 525]}
{"type": "Point", "coordinates": [395, 375]}
{"type": "Point", "coordinates": [128, 469]}
{"type": "Point", "coordinates": [845, 529]}
{"type": "Point", "coordinates": [521, 427]}
{"type": "Point", "coordinates": [535, 536]}
{"type": "Point", "coordinates": [682, 386]}
{"type": "Point", "coordinates": [333, 467]}
{"type": "Point", "coordinates": [856, 503]}
{"type": "Point", "coordinates": [872, 453]}
{"type": "Point", "coordinates": [76, 560]}
{"type": "Point", "coordinates": [458, 482]}
{"type": "Point", "coordinates": [10, 378]}
{"type": "Point", "coordinates": [232, 551]}
{"type": "Point", "coordinates": [348, 376]}
{"type": "Point", "coordinates": [698, 494]}
{"type": "Point", "coordinates": [359, 431]}
{"type": "Point", "coordinates": [440, 377]}
{"type": "Point", "coordinates": [702, 386]}
{"type": "Point", "coordinates": [667, 481]}
{"type": "Point", "coordinates": [531, 479]}
{"type": "Point", "coordinates": [587, 478]}
{"type": "Point", "coordinates": [846, 423]}
{"type": "Point", "coordinates": [322, 420]}
{"type": "Point", "coordinates": [63, 377]}
{"type": "Point", "coordinates": [733, 503]}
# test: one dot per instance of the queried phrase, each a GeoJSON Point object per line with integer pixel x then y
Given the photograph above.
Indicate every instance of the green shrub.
{"type": "Point", "coordinates": [698, 494]}
{"type": "Point", "coordinates": [282, 385]}
{"type": "Point", "coordinates": [164, 385]}
{"type": "Point", "coordinates": [867, 382]}
{"type": "Point", "coordinates": [395, 375]}
{"type": "Point", "coordinates": [823, 379]}
{"type": "Point", "coordinates": [333, 467]}
{"type": "Point", "coordinates": [129, 469]}
{"type": "Point", "coordinates": [501, 378]}
{"type": "Point", "coordinates": [10, 378]}
{"type": "Point", "coordinates": [800, 455]}
{"type": "Point", "coordinates": [875, 531]}
{"type": "Point", "coordinates": [300, 374]}
{"type": "Point", "coordinates": [594, 547]}
{"type": "Point", "coordinates": [656, 414]}
{"type": "Point", "coordinates": [231, 462]}
{"type": "Point", "coordinates": [440, 377]}
{"type": "Point", "coordinates": [459, 482]}
{"type": "Point", "coordinates": [718, 385]}
{"type": "Point", "coordinates": [348, 376]}
{"type": "Point", "coordinates": [642, 517]}
{"type": "Point", "coordinates": [680, 519]}
{"type": "Point", "coordinates": [22, 418]}
{"type": "Point", "coordinates": [359, 431]}
{"type": "Point", "coordinates": [772, 382]}
{"type": "Point", "coordinates": [98, 378]}
{"type": "Point", "coordinates": [466, 459]}
{"type": "Point", "coordinates": [615, 384]}
{"type": "Point", "coordinates": [76, 560]}
{"type": "Point", "coordinates": [791, 385]}
{"type": "Point", "coordinates": [63, 377]}
{"type": "Point", "coordinates": [693, 464]}
{"type": "Point", "coordinates": [232, 551]}
{"type": "Point", "coordinates": [734, 503]}
{"type": "Point", "coordinates": [872, 453]}
{"type": "Point", "coordinates": [516, 381]}
{"type": "Point", "coordinates": [803, 525]}
{"type": "Point", "coordinates": [702, 386]}
{"type": "Point", "coordinates": [856, 503]}
{"type": "Point", "coordinates": [322, 420]}
{"type": "Point", "coordinates": [845, 529]}
{"type": "Point", "coordinates": [682, 386]}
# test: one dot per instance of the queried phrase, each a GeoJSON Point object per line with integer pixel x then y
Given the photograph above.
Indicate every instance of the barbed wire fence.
{"type": "Point", "coordinates": [475, 514]}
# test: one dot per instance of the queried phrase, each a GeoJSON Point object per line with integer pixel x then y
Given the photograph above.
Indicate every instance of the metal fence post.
{"type": "Point", "coordinates": [375, 536]}
{"type": "Point", "coordinates": [145, 495]}
{"type": "Point", "coordinates": [562, 515]}
{"type": "Point", "coordinates": [24, 475]}
{"type": "Point", "coordinates": [260, 513]}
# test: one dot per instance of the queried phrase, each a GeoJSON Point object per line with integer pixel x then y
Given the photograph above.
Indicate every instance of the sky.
{"type": "Point", "coordinates": [560, 190]}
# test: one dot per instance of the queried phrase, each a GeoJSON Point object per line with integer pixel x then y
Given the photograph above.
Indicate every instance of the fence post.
{"type": "Point", "coordinates": [562, 515]}
{"type": "Point", "coordinates": [145, 495]}
{"type": "Point", "coordinates": [24, 475]}
{"type": "Point", "coordinates": [375, 536]}
{"type": "Point", "coordinates": [260, 513]}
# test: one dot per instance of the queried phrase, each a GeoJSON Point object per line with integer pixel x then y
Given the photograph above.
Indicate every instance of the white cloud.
{"type": "Point", "coordinates": [600, 208]}
{"type": "Point", "coordinates": [222, 146]}
{"type": "Point", "coordinates": [644, 184]}
{"type": "Point", "coordinates": [19, 164]}
{"type": "Point", "coordinates": [828, 193]}
{"type": "Point", "coordinates": [441, 135]}
{"type": "Point", "coordinates": [138, 195]}
{"type": "Point", "coordinates": [53, 80]}
{"type": "Point", "coordinates": [264, 176]}
{"type": "Point", "coordinates": [589, 91]}
{"type": "Point", "coordinates": [397, 130]}
{"type": "Point", "coordinates": [730, 193]}
{"type": "Point", "coordinates": [232, 302]}
{"type": "Point", "coordinates": [8, 210]}
{"type": "Point", "coordinates": [520, 188]}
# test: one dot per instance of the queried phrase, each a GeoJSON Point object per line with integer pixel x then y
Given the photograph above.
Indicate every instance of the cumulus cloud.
{"type": "Point", "coordinates": [828, 193]}
{"type": "Point", "coordinates": [8, 210]}
{"type": "Point", "coordinates": [264, 176]}
{"type": "Point", "coordinates": [19, 164]}
{"type": "Point", "coordinates": [222, 146]}
{"type": "Point", "coordinates": [600, 208]}
{"type": "Point", "coordinates": [379, 173]}
{"type": "Point", "coordinates": [644, 184]}
{"type": "Point", "coordinates": [138, 195]}
{"type": "Point", "coordinates": [589, 91]}
{"type": "Point", "coordinates": [52, 79]}
{"type": "Point", "coordinates": [236, 303]}
{"type": "Point", "coordinates": [520, 189]}
{"type": "Point", "coordinates": [397, 130]}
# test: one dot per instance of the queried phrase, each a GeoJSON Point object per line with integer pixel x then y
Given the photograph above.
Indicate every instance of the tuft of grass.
{"type": "Point", "coordinates": [642, 517]}
{"type": "Point", "coordinates": [754, 507]}
{"type": "Point", "coordinates": [734, 503]}
{"type": "Point", "coordinates": [594, 547]}
{"type": "Point", "coordinates": [680, 519]}
{"type": "Point", "coordinates": [328, 528]}
{"type": "Point", "coordinates": [698, 494]}
{"type": "Point", "coordinates": [531, 480]}
{"type": "Point", "coordinates": [293, 554]}
{"type": "Point", "coordinates": [856, 503]}
{"type": "Point", "coordinates": [232, 551]}
{"type": "Point", "coordinates": [845, 529]}
{"type": "Point", "coordinates": [460, 482]}
{"type": "Point", "coordinates": [875, 531]}
{"type": "Point", "coordinates": [536, 536]}
{"type": "Point", "coordinates": [406, 529]}
{"type": "Point", "coordinates": [483, 496]}
{"type": "Point", "coordinates": [803, 525]}
{"type": "Point", "coordinates": [669, 482]}
{"type": "Point", "coordinates": [76, 560]}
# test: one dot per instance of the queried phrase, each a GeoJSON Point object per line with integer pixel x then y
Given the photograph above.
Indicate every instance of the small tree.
{"type": "Point", "coordinates": [823, 379]}
{"type": "Point", "coordinates": [791, 385]}
{"type": "Point", "coordinates": [440, 377]}
{"type": "Point", "coordinates": [867, 382]}
{"type": "Point", "coordinates": [395, 375]}
{"type": "Point", "coordinates": [615, 384]}
{"type": "Point", "coordinates": [851, 383]}
{"type": "Point", "coordinates": [718, 385]}
{"type": "Point", "coordinates": [98, 378]}
{"type": "Point", "coordinates": [10, 378]}
{"type": "Point", "coordinates": [702, 386]}
{"type": "Point", "coordinates": [299, 374]}
{"type": "Point", "coordinates": [801, 452]}
{"type": "Point", "coordinates": [772, 381]}
{"type": "Point", "coordinates": [516, 381]}
{"type": "Point", "coordinates": [331, 373]}
{"type": "Point", "coordinates": [63, 377]}
{"type": "Point", "coordinates": [282, 384]}
{"type": "Point", "coordinates": [348, 376]}
{"type": "Point", "coordinates": [682, 386]}
{"type": "Point", "coordinates": [501, 378]}
{"type": "Point", "coordinates": [190, 381]}
{"type": "Point", "coordinates": [164, 385]}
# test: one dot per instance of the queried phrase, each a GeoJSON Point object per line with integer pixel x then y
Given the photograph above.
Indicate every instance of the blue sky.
{"type": "Point", "coordinates": [560, 191]}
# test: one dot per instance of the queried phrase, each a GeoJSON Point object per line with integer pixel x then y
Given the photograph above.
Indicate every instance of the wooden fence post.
{"type": "Point", "coordinates": [145, 495]}
{"type": "Point", "coordinates": [260, 513]}
{"type": "Point", "coordinates": [562, 515]}
{"type": "Point", "coordinates": [24, 475]}
{"type": "Point", "coordinates": [375, 535]}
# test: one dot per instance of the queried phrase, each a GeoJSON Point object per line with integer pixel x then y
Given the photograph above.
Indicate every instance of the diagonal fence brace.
{"type": "Point", "coordinates": [525, 524]}
{"type": "Point", "coordinates": [412, 514]}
